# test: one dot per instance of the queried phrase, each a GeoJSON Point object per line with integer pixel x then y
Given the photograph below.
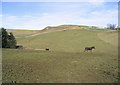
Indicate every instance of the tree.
{"type": "Point", "coordinates": [111, 26]}
{"type": "Point", "coordinates": [117, 28]}
{"type": "Point", "coordinates": [11, 40]}
{"type": "Point", "coordinates": [0, 38]}
{"type": "Point", "coordinates": [4, 38]}
{"type": "Point", "coordinates": [8, 41]}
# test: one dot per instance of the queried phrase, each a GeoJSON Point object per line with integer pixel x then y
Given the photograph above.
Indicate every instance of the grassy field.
{"type": "Point", "coordinates": [22, 33]}
{"type": "Point", "coordinates": [65, 62]}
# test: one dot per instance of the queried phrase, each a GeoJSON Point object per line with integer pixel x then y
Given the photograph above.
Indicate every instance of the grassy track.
{"type": "Point", "coordinates": [66, 61]}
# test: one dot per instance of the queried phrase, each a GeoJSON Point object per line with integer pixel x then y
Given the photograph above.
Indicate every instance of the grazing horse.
{"type": "Point", "coordinates": [47, 49]}
{"type": "Point", "coordinates": [89, 48]}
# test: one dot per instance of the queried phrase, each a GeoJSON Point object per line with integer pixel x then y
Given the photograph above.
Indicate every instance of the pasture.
{"type": "Point", "coordinates": [65, 62]}
{"type": "Point", "coordinates": [23, 33]}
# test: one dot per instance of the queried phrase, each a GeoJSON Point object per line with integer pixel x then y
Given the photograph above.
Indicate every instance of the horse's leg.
{"type": "Point", "coordinates": [90, 50]}
{"type": "Point", "coordinates": [84, 50]}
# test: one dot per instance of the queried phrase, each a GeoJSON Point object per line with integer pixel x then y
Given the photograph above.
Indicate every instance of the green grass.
{"type": "Point", "coordinates": [41, 66]}
{"type": "Point", "coordinates": [67, 41]}
{"type": "Point", "coordinates": [100, 29]}
{"type": "Point", "coordinates": [109, 37]}
{"type": "Point", "coordinates": [22, 33]}
{"type": "Point", "coordinates": [66, 61]}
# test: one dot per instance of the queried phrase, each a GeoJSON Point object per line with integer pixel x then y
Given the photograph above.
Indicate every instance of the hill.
{"type": "Point", "coordinates": [21, 33]}
{"type": "Point", "coordinates": [65, 62]}
{"type": "Point", "coordinates": [68, 27]}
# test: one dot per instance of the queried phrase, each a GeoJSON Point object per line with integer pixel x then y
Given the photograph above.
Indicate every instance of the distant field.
{"type": "Point", "coordinates": [66, 61]}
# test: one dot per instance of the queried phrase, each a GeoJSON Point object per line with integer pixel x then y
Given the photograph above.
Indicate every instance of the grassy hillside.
{"type": "Point", "coordinates": [22, 33]}
{"type": "Point", "coordinates": [109, 37]}
{"type": "Point", "coordinates": [66, 61]}
{"type": "Point", "coordinates": [67, 27]}
{"type": "Point", "coordinates": [68, 41]}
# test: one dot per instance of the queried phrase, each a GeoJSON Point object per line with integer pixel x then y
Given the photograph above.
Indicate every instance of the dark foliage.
{"type": "Point", "coordinates": [8, 40]}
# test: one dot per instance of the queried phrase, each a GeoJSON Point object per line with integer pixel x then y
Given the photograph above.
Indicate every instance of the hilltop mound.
{"type": "Point", "coordinates": [68, 27]}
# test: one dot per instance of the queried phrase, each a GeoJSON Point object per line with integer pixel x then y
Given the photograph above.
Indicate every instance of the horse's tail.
{"type": "Point", "coordinates": [84, 50]}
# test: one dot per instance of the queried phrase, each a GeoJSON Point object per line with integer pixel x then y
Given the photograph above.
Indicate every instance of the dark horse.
{"type": "Point", "coordinates": [47, 49]}
{"type": "Point", "coordinates": [89, 48]}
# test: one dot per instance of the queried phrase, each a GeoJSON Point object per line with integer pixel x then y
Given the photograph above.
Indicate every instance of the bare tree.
{"type": "Point", "coordinates": [111, 26]}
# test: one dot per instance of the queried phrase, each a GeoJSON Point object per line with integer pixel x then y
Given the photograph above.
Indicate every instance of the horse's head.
{"type": "Point", "coordinates": [93, 47]}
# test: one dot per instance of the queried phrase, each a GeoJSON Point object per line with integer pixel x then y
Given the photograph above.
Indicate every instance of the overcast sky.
{"type": "Point", "coordinates": [37, 15]}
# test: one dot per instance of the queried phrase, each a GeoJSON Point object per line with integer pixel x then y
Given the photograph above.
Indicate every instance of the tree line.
{"type": "Point", "coordinates": [113, 27]}
{"type": "Point", "coordinates": [8, 39]}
